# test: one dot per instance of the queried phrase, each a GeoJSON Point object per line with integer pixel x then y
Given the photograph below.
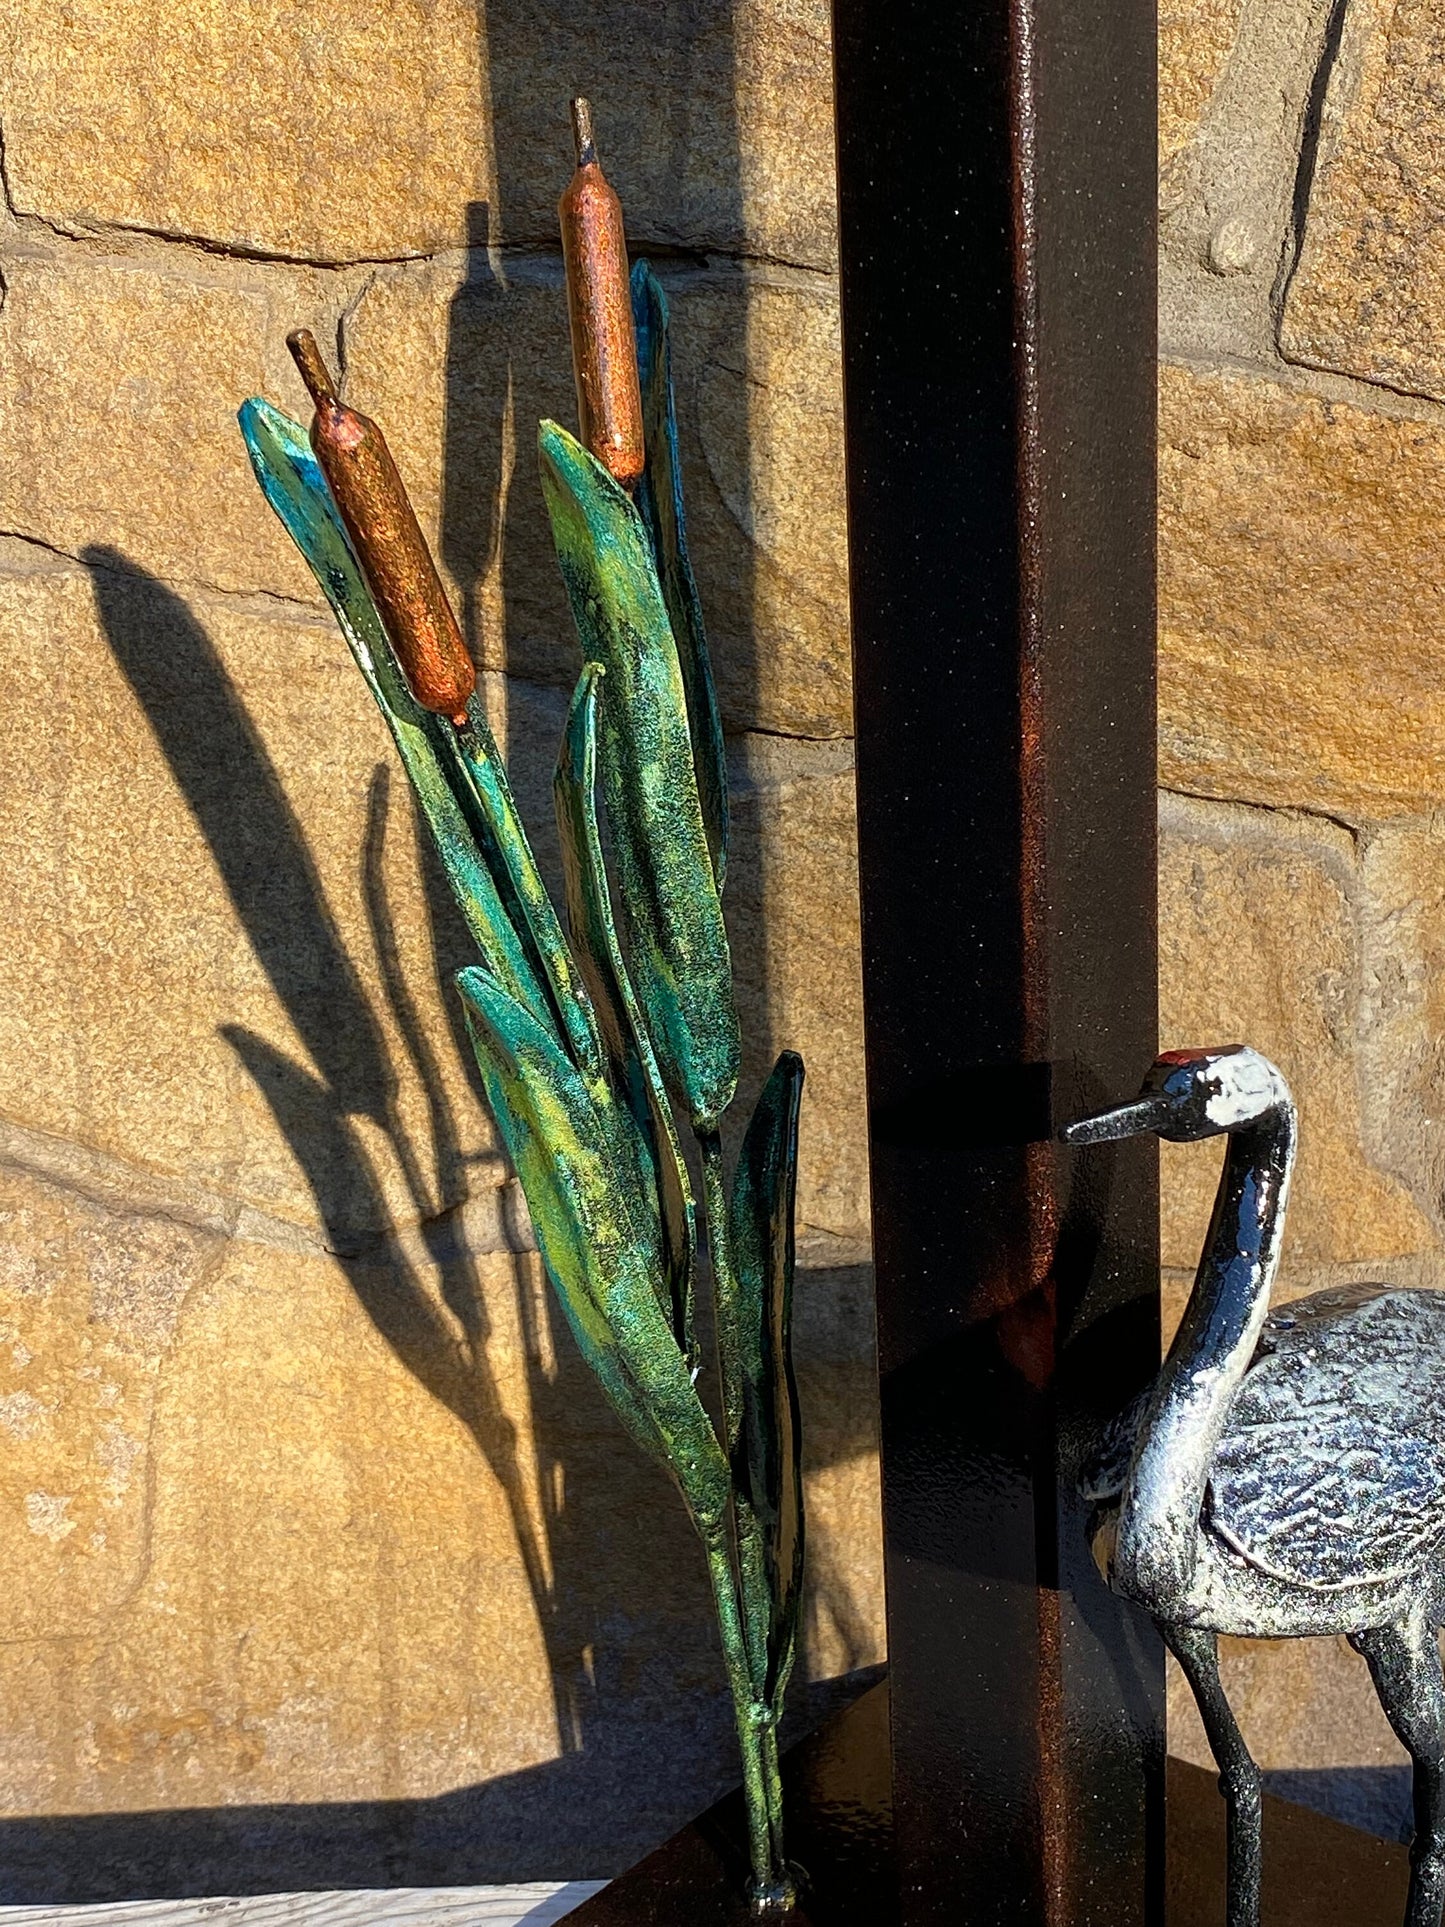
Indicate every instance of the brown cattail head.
{"type": "Point", "coordinates": [599, 304]}
{"type": "Point", "coordinates": [389, 544]}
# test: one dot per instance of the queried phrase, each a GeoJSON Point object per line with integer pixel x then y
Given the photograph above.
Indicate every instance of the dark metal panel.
{"type": "Point", "coordinates": [1318, 1873]}
{"type": "Point", "coordinates": [836, 1790]}
{"type": "Point", "coordinates": [996, 183]}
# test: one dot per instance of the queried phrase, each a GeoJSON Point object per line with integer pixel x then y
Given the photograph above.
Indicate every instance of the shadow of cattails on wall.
{"type": "Point", "coordinates": [610, 1565]}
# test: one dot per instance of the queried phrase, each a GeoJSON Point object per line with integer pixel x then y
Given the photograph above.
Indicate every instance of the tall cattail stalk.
{"type": "Point", "coordinates": [593, 1040]}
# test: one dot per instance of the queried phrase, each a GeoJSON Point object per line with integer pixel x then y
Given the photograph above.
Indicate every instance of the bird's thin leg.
{"type": "Point", "coordinates": [1404, 1663]}
{"type": "Point", "coordinates": [1198, 1654]}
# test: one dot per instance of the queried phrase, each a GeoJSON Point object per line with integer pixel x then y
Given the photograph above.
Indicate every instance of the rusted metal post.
{"type": "Point", "coordinates": [996, 168]}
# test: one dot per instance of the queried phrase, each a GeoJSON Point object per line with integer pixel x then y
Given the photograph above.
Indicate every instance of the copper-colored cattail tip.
{"type": "Point", "coordinates": [599, 304]}
{"type": "Point", "coordinates": [582, 134]}
{"type": "Point", "coordinates": [314, 372]}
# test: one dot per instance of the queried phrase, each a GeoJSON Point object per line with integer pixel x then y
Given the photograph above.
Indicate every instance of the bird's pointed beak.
{"type": "Point", "coordinates": [1126, 1120]}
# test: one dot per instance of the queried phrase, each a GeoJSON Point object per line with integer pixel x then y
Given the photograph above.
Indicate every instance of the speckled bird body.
{"type": "Point", "coordinates": [1325, 1507]}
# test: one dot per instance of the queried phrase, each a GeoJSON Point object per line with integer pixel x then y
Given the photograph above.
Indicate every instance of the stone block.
{"type": "Point", "coordinates": [330, 1579]}
{"type": "Point", "coordinates": [224, 958]}
{"type": "Point", "coordinates": [89, 1303]}
{"type": "Point", "coordinates": [843, 1617]}
{"type": "Point", "coordinates": [1299, 593]}
{"type": "Point", "coordinates": [119, 384]}
{"type": "Point", "coordinates": [459, 371]}
{"type": "Point", "coordinates": [286, 1532]}
{"type": "Point", "coordinates": [1401, 1069]}
{"type": "Point", "coordinates": [1261, 942]}
{"type": "Point", "coordinates": [1368, 294]}
{"type": "Point", "coordinates": [792, 906]}
{"type": "Point", "coordinates": [1194, 44]}
{"type": "Point", "coordinates": [376, 135]}
{"type": "Point", "coordinates": [259, 128]}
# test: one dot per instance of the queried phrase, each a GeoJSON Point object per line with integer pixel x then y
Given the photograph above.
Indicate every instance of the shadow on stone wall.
{"type": "Point", "coordinates": [1376, 1799]}
{"type": "Point", "coordinates": [541, 1824]}
{"type": "Point", "coordinates": [222, 767]}
{"type": "Point", "coordinates": [646, 1734]}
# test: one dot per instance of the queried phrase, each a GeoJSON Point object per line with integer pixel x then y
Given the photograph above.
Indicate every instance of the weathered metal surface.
{"type": "Point", "coordinates": [669, 895]}
{"type": "Point", "coordinates": [659, 499]}
{"type": "Point", "coordinates": [840, 1832]}
{"type": "Point", "coordinates": [577, 1044]}
{"type": "Point", "coordinates": [593, 930]}
{"type": "Point", "coordinates": [604, 352]}
{"type": "Point", "coordinates": [389, 545]}
{"type": "Point", "coordinates": [1332, 1464]}
{"type": "Point", "coordinates": [997, 239]}
{"type": "Point", "coordinates": [1284, 1477]}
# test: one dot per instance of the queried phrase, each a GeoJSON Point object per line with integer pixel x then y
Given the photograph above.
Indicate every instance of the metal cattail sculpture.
{"type": "Point", "coordinates": [591, 1042]}
{"type": "Point", "coordinates": [604, 346]}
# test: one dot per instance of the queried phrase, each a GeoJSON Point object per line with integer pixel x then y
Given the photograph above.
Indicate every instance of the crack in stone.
{"type": "Point", "coordinates": [1278, 812]}
{"type": "Point", "coordinates": [666, 253]}
{"type": "Point", "coordinates": [488, 1221]}
{"type": "Point", "coordinates": [262, 600]}
{"type": "Point", "coordinates": [345, 321]}
{"type": "Point", "coordinates": [1311, 135]}
{"type": "Point", "coordinates": [1371, 396]}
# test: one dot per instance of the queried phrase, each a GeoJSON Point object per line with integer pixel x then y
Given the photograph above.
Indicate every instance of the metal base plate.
{"type": "Point", "coordinates": [1317, 1872]}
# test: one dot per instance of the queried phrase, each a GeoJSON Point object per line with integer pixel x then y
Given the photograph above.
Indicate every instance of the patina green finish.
{"type": "Point", "coordinates": [670, 902]}
{"type": "Point", "coordinates": [586, 1039]}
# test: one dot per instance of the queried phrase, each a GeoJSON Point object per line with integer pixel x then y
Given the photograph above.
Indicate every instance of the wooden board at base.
{"type": "Point", "coordinates": [537, 1903]}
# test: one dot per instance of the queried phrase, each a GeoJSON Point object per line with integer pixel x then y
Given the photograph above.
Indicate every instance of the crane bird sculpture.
{"type": "Point", "coordinates": [1285, 1473]}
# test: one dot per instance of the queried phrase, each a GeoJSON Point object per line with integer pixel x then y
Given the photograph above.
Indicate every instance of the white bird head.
{"type": "Point", "coordinates": [1191, 1094]}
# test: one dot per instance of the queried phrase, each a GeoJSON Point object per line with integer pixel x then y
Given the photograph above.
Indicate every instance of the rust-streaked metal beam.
{"type": "Point", "coordinates": [996, 168]}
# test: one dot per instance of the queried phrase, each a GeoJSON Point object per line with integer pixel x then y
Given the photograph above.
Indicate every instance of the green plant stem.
{"type": "Point", "coordinates": [746, 1615]}
{"type": "Point", "coordinates": [762, 1790]}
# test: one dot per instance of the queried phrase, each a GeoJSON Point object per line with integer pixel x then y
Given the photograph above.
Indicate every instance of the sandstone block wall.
{"type": "Point", "coordinates": [324, 1560]}
{"type": "Point", "coordinates": [1302, 638]}
{"type": "Point", "coordinates": [322, 1554]}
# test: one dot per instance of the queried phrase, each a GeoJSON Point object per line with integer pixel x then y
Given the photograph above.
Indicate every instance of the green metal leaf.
{"type": "Point", "coordinates": [677, 941]}
{"type": "Point", "coordinates": [599, 1264]}
{"type": "Point", "coordinates": [473, 751]}
{"type": "Point", "coordinates": [457, 774]}
{"type": "Point", "coordinates": [659, 497]}
{"type": "Point", "coordinates": [594, 937]}
{"type": "Point", "coordinates": [766, 1464]}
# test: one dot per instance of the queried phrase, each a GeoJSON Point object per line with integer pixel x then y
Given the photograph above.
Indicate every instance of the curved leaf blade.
{"type": "Point", "coordinates": [472, 750]}
{"type": "Point", "coordinates": [681, 966]}
{"type": "Point", "coordinates": [659, 497]}
{"type": "Point", "coordinates": [635, 1069]}
{"type": "Point", "coordinates": [456, 775]}
{"type": "Point", "coordinates": [598, 1262]}
{"type": "Point", "coordinates": [767, 1461]}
